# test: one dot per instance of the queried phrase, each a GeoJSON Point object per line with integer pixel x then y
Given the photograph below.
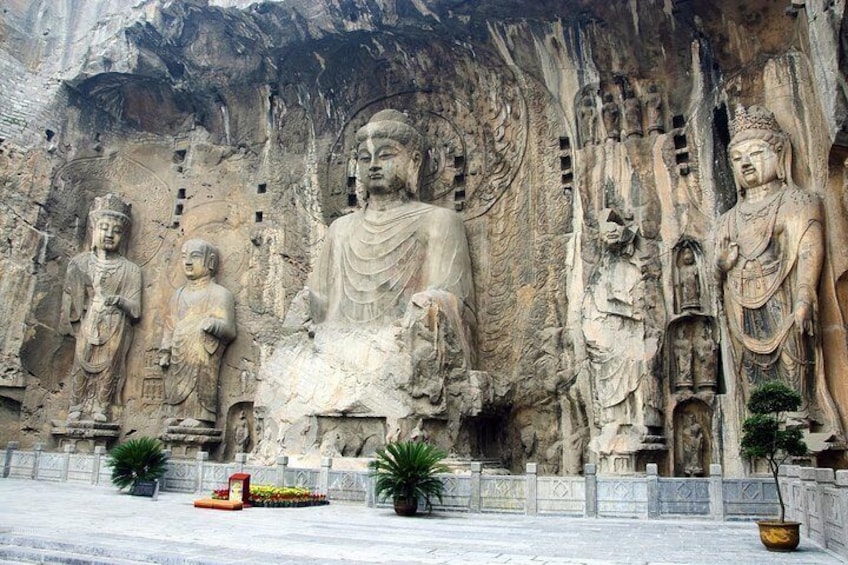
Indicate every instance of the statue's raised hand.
{"type": "Point", "coordinates": [213, 326]}
{"type": "Point", "coordinates": [727, 254]}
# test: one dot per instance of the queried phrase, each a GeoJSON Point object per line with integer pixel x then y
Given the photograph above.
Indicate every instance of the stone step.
{"type": "Point", "coordinates": [25, 549]}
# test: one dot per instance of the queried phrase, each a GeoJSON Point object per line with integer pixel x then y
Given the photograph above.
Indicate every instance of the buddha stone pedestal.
{"type": "Point", "coordinates": [85, 435]}
{"type": "Point", "coordinates": [185, 442]}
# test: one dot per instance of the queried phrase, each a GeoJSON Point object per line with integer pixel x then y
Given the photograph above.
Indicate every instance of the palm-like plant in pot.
{"type": "Point", "coordinates": [137, 460]}
{"type": "Point", "coordinates": [406, 471]}
{"type": "Point", "coordinates": [766, 437]}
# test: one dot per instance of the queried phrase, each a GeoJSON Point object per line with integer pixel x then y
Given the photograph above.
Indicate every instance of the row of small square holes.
{"type": "Point", "coordinates": [261, 188]}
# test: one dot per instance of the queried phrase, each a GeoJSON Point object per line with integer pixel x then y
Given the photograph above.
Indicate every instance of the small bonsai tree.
{"type": "Point", "coordinates": [765, 435]}
{"type": "Point", "coordinates": [406, 471]}
{"type": "Point", "coordinates": [140, 459]}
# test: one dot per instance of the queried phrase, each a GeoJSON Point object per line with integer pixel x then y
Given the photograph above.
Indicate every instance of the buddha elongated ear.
{"type": "Point", "coordinates": [782, 162]}
{"type": "Point", "coordinates": [413, 173]}
{"type": "Point", "coordinates": [212, 261]}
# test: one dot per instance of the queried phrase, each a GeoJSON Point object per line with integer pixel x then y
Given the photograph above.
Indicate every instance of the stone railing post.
{"type": "Point", "coordinates": [241, 459]}
{"type": "Point", "coordinates": [716, 487]}
{"type": "Point", "coordinates": [788, 475]}
{"type": "Point", "coordinates": [7, 460]}
{"type": "Point", "coordinates": [824, 479]}
{"type": "Point", "coordinates": [98, 461]}
{"type": "Point", "coordinates": [808, 478]}
{"type": "Point", "coordinates": [282, 464]}
{"type": "Point", "coordinates": [200, 457]}
{"type": "Point", "coordinates": [475, 503]}
{"type": "Point", "coordinates": [590, 475]}
{"type": "Point", "coordinates": [841, 481]}
{"type": "Point", "coordinates": [653, 489]}
{"type": "Point", "coordinates": [36, 459]}
{"type": "Point", "coordinates": [531, 505]}
{"type": "Point", "coordinates": [324, 476]}
{"type": "Point", "coordinates": [370, 491]}
{"type": "Point", "coordinates": [66, 462]}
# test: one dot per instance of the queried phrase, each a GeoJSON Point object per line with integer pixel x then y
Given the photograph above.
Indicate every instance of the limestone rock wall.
{"type": "Point", "coordinates": [233, 122]}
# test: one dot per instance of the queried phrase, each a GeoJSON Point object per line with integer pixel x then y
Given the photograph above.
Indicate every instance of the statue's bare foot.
{"type": "Point", "coordinates": [99, 417]}
{"type": "Point", "coordinates": [191, 423]}
{"type": "Point", "coordinates": [74, 416]}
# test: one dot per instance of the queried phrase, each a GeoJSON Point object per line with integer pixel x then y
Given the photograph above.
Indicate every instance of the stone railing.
{"type": "Point", "coordinates": [592, 495]}
{"type": "Point", "coordinates": [818, 498]}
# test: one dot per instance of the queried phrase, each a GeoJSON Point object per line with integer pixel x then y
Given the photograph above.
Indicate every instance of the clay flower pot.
{"type": "Point", "coordinates": [779, 536]}
{"type": "Point", "coordinates": [405, 506]}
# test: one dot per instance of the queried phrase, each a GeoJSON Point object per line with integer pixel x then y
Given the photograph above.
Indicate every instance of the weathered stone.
{"type": "Point", "coordinates": [233, 121]}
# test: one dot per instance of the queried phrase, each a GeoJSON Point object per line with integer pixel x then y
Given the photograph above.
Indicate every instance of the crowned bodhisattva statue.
{"type": "Point", "coordinates": [769, 252]}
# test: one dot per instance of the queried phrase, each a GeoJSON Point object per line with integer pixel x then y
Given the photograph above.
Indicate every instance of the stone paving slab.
{"type": "Point", "coordinates": [88, 524]}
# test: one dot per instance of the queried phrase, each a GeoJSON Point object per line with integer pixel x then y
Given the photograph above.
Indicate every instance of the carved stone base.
{"type": "Point", "coordinates": [85, 435]}
{"type": "Point", "coordinates": [185, 442]}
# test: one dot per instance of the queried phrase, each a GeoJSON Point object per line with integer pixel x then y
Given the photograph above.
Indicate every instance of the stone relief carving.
{"type": "Point", "coordinates": [687, 281]}
{"type": "Point", "coordinates": [654, 110]}
{"type": "Point", "coordinates": [587, 119]}
{"type": "Point", "coordinates": [101, 301]}
{"type": "Point", "coordinates": [632, 115]}
{"type": "Point", "coordinates": [769, 253]}
{"type": "Point", "coordinates": [612, 117]}
{"type": "Point", "coordinates": [693, 447]}
{"type": "Point", "coordinates": [627, 407]}
{"type": "Point", "coordinates": [198, 326]}
{"type": "Point", "coordinates": [385, 328]}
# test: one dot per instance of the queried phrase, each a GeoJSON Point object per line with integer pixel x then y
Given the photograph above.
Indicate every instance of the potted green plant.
{"type": "Point", "coordinates": [406, 471]}
{"type": "Point", "coordinates": [138, 464]}
{"type": "Point", "coordinates": [766, 437]}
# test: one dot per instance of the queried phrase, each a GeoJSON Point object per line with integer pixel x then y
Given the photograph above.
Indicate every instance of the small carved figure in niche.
{"type": "Point", "coordinates": [588, 120]}
{"type": "Point", "coordinates": [632, 115]}
{"type": "Point", "coordinates": [704, 347]}
{"type": "Point", "coordinates": [418, 433]}
{"type": "Point", "coordinates": [654, 110]}
{"type": "Point", "coordinates": [693, 447]}
{"type": "Point", "coordinates": [683, 359]}
{"type": "Point", "coordinates": [241, 437]}
{"type": "Point", "coordinates": [769, 252]}
{"type": "Point", "coordinates": [688, 287]}
{"type": "Point", "coordinates": [199, 324]}
{"type": "Point", "coordinates": [612, 117]}
{"type": "Point", "coordinates": [101, 300]}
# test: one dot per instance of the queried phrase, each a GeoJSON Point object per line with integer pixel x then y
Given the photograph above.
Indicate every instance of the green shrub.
{"type": "Point", "coordinates": [140, 459]}
{"type": "Point", "coordinates": [407, 470]}
{"type": "Point", "coordinates": [765, 435]}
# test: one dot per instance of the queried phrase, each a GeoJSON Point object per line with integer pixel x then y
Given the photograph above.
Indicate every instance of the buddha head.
{"type": "Point", "coordinates": [389, 156]}
{"type": "Point", "coordinates": [759, 149]}
{"type": "Point", "coordinates": [199, 259]}
{"type": "Point", "coordinates": [109, 222]}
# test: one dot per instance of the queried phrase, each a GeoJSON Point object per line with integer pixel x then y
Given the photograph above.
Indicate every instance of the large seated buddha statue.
{"type": "Point", "coordinates": [382, 336]}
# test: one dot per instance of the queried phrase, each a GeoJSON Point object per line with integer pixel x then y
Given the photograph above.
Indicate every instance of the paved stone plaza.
{"type": "Point", "coordinates": [52, 523]}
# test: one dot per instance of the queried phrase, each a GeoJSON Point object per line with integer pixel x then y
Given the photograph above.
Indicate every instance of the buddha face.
{"type": "Point", "coordinates": [197, 260]}
{"type": "Point", "coordinates": [108, 232]}
{"type": "Point", "coordinates": [755, 162]}
{"type": "Point", "coordinates": [386, 166]}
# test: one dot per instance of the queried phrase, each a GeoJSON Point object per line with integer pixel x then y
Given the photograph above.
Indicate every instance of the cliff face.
{"type": "Point", "coordinates": [233, 121]}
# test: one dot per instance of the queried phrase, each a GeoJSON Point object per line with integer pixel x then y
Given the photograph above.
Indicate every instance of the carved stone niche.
{"type": "Point", "coordinates": [351, 436]}
{"type": "Point", "coordinates": [692, 438]}
{"type": "Point", "coordinates": [689, 287]}
{"type": "Point", "coordinates": [692, 358]}
{"type": "Point", "coordinates": [240, 437]}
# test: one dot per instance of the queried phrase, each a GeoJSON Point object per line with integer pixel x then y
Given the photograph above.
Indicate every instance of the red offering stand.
{"type": "Point", "coordinates": [239, 487]}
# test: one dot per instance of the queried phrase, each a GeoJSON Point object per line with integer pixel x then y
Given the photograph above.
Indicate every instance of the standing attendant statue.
{"type": "Point", "coordinates": [612, 117]}
{"type": "Point", "coordinates": [100, 302]}
{"type": "Point", "coordinates": [769, 252]}
{"type": "Point", "coordinates": [199, 325]}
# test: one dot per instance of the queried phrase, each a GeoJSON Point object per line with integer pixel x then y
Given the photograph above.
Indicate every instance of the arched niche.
{"type": "Point", "coordinates": [692, 438]}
